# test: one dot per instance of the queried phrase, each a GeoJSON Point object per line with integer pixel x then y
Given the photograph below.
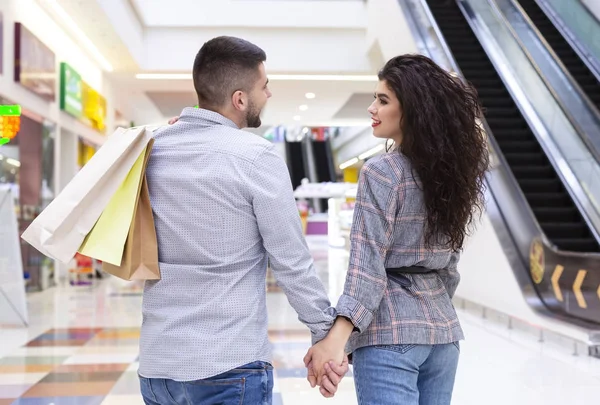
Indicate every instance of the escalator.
{"type": "Point", "coordinates": [558, 216]}
{"type": "Point", "coordinates": [576, 67]}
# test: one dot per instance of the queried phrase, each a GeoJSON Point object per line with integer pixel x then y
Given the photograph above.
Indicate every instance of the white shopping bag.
{"type": "Point", "coordinates": [60, 229]}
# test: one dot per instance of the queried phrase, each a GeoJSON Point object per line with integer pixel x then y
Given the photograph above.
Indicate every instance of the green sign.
{"type": "Point", "coordinates": [10, 110]}
{"type": "Point", "coordinates": [70, 91]}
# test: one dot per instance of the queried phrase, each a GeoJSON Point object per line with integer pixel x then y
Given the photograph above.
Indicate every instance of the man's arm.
{"type": "Point", "coordinates": [280, 227]}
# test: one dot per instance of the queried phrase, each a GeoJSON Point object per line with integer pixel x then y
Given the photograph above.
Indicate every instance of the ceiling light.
{"type": "Point", "coordinates": [303, 107]}
{"type": "Point", "coordinates": [163, 76]}
{"type": "Point", "coordinates": [348, 163]}
{"type": "Point", "coordinates": [320, 78]}
{"type": "Point", "coordinates": [13, 162]}
{"type": "Point", "coordinates": [371, 152]}
{"type": "Point", "coordinates": [310, 95]}
{"type": "Point", "coordinates": [305, 130]}
{"type": "Point", "coordinates": [297, 118]}
{"type": "Point", "coordinates": [80, 35]}
{"type": "Point", "coordinates": [326, 78]}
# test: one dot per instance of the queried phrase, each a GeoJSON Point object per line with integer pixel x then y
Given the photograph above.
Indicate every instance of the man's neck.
{"type": "Point", "coordinates": [227, 114]}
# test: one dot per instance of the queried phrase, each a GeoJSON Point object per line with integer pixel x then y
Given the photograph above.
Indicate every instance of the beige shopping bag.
{"type": "Point", "coordinates": [140, 256]}
{"type": "Point", "coordinates": [60, 229]}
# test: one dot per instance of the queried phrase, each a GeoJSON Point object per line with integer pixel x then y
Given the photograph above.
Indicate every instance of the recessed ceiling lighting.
{"type": "Point", "coordinates": [303, 107]}
{"type": "Point", "coordinates": [310, 95]}
{"type": "Point", "coordinates": [305, 130]}
{"type": "Point", "coordinates": [297, 118]}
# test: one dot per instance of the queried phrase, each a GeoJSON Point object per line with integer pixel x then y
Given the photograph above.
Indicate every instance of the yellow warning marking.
{"type": "Point", "coordinates": [558, 271]}
{"type": "Point", "coordinates": [577, 288]}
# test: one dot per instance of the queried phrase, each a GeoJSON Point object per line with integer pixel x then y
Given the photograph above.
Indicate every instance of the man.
{"type": "Point", "coordinates": [223, 203]}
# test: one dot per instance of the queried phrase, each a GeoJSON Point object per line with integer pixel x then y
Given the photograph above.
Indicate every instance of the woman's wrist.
{"type": "Point", "coordinates": [341, 330]}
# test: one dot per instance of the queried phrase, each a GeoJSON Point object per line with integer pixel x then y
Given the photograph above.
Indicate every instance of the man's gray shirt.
{"type": "Point", "coordinates": [223, 203]}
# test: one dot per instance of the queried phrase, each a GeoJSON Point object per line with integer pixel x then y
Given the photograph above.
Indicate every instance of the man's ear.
{"type": "Point", "coordinates": [239, 100]}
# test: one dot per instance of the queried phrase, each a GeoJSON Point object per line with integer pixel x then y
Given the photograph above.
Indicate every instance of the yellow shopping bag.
{"type": "Point", "coordinates": [106, 240]}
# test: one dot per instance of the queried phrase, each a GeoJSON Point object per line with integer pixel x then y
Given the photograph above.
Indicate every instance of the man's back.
{"type": "Point", "coordinates": [218, 209]}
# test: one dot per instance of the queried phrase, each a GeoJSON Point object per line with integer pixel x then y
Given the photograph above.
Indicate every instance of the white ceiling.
{"type": "Point", "coordinates": [336, 103]}
{"type": "Point", "coordinates": [300, 37]}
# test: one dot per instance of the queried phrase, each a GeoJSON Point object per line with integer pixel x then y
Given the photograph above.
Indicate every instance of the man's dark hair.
{"type": "Point", "coordinates": [225, 65]}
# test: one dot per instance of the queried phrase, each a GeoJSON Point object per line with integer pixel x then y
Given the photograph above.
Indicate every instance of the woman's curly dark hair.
{"type": "Point", "coordinates": [445, 143]}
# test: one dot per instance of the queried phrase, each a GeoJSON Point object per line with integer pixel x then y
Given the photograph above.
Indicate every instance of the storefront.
{"type": "Point", "coordinates": [27, 166]}
{"type": "Point", "coordinates": [63, 123]}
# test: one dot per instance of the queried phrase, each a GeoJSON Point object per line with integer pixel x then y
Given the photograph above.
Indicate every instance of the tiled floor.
{"type": "Point", "coordinates": [82, 345]}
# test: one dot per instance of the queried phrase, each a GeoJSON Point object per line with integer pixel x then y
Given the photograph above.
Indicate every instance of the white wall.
{"type": "Point", "coordinates": [30, 14]}
{"type": "Point", "coordinates": [388, 26]}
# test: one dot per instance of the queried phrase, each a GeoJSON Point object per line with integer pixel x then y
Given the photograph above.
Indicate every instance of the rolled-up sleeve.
{"type": "Point", "coordinates": [371, 236]}
{"type": "Point", "coordinates": [281, 230]}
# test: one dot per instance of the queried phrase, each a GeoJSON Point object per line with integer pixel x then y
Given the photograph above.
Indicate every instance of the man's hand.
{"type": "Point", "coordinates": [328, 349]}
{"type": "Point", "coordinates": [331, 379]}
{"type": "Point", "coordinates": [173, 120]}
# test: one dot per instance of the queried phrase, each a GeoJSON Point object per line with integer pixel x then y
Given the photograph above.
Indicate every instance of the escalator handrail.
{"type": "Point", "coordinates": [591, 216]}
{"type": "Point", "coordinates": [593, 147]}
{"type": "Point", "coordinates": [580, 49]}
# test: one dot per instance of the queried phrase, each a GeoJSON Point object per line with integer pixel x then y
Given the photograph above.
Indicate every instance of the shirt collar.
{"type": "Point", "coordinates": [206, 117]}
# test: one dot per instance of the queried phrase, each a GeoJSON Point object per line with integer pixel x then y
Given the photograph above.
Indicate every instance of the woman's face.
{"type": "Point", "coordinates": [385, 114]}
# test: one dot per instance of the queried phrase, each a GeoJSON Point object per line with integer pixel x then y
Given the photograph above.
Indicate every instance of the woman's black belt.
{"type": "Point", "coordinates": [397, 274]}
{"type": "Point", "coordinates": [408, 270]}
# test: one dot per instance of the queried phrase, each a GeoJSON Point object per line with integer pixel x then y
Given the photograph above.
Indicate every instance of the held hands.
{"type": "Point", "coordinates": [331, 379]}
{"type": "Point", "coordinates": [327, 364]}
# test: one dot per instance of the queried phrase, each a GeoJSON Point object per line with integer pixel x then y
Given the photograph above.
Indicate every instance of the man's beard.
{"type": "Point", "coordinates": [253, 116]}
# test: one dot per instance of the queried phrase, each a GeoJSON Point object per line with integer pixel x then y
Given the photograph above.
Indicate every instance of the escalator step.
{"type": "Point", "coordinates": [558, 230]}
{"type": "Point", "coordinates": [526, 146]}
{"type": "Point", "coordinates": [550, 214]}
{"type": "Point", "coordinates": [548, 200]}
{"type": "Point", "coordinates": [541, 185]}
{"type": "Point", "coordinates": [521, 159]}
{"type": "Point", "coordinates": [577, 245]}
{"type": "Point", "coordinates": [533, 172]}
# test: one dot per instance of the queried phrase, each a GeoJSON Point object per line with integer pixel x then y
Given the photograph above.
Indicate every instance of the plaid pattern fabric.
{"type": "Point", "coordinates": [387, 232]}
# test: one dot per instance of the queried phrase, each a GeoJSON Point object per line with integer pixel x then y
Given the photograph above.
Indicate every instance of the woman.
{"type": "Point", "coordinates": [414, 209]}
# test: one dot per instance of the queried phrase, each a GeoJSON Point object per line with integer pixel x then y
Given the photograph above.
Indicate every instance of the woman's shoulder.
{"type": "Point", "coordinates": [392, 165]}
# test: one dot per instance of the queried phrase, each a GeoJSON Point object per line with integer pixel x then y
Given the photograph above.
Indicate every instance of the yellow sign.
{"type": "Point", "coordinates": [536, 261]}
{"type": "Point", "coordinates": [94, 106]}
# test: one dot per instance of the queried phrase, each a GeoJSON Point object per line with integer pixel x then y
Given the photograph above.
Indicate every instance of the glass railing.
{"type": "Point", "coordinates": [560, 139]}
{"type": "Point", "coordinates": [582, 113]}
{"type": "Point", "coordinates": [581, 25]}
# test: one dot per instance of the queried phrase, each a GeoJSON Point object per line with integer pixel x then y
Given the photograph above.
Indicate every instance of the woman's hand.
{"type": "Point", "coordinates": [330, 381]}
{"type": "Point", "coordinates": [328, 349]}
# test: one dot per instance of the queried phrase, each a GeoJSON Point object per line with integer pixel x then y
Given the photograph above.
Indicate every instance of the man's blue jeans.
{"type": "Point", "coordinates": [405, 374]}
{"type": "Point", "coordinates": [251, 384]}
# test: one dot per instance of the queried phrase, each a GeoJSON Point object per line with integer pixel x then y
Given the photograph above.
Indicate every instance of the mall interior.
{"type": "Point", "coordinates": [75, 72]}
